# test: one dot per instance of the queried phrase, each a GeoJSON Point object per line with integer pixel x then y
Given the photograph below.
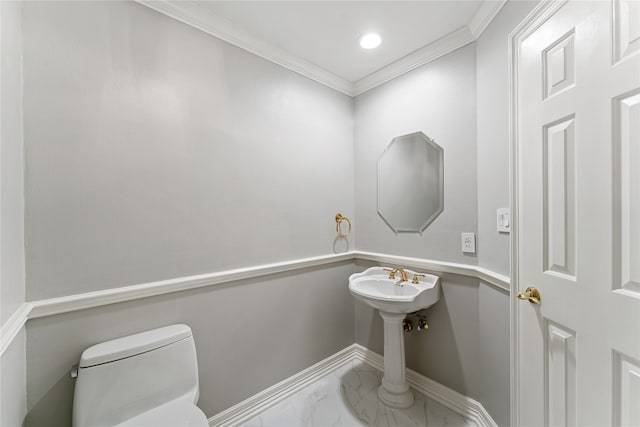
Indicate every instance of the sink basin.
{"type": "Point", "coordinates": [373, 287]}
{"type": "Point", "coordinates": [394, 299]}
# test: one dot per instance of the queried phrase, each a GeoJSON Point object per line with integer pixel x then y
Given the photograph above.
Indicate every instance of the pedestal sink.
{"type": "Point", "coordinates": [394, 299]}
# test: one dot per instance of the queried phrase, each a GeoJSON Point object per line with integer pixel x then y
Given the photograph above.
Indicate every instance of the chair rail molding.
{"type": "Point", "coordinates": [13, 326]}
{"type": "Point", "coordinates": [192, 14]}
{"type": "Point", "coordinates": [75, 302]}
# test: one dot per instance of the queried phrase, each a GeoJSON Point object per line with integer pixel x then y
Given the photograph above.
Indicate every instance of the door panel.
{"type": "Point", "coordinates": [559, 175]}
{"type": "Point", "coordinates": [578, 203]}
{"type": "Point", "coordinates": [626, 390]}
{"type": "Point", "coordinates": [626, 190]}
{"type": "Point", "coordinates": [560, 348]}
{"type": "Point", "coordinates": [626, 26]}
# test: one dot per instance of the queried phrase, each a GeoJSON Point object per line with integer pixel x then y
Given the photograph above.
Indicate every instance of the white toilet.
{"type": "Point", "coordinates": [143, 380]}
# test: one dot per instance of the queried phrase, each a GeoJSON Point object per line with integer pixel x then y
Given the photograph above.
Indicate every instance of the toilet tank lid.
{"type": "Point", "coordinates": [110, 351]}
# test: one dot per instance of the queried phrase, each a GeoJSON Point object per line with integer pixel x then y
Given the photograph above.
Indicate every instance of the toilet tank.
{"type": "Point", "coordinates": [127, 376]}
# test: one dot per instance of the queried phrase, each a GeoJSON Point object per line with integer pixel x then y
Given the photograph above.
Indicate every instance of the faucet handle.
{"type": "Point", "coordinates": [415, 280]}
{"type": "Point", "coordinates": [392, 273]}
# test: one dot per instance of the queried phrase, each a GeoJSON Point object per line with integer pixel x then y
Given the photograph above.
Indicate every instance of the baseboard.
{"type": "Point", "coordinates": [457, 402]}
{"type": "Point", "coordinates": [262, 401]}
{"type": "Point", "coordinates": [249, 408]}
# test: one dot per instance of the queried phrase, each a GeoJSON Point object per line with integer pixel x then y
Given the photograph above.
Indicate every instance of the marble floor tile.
{"type": "Point", "coordinates": [348, 397]}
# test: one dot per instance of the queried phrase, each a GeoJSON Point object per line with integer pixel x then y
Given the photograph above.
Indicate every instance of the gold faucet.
{"type": "Point", "coordinates": [392, 274]}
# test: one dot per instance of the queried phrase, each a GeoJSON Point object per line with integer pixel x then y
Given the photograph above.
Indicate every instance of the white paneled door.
{"type": "Point", "coordinates": [577, 142]}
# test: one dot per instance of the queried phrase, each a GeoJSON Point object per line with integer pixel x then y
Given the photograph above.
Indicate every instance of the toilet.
{"type": "Point", "coordinates": [148, 379]}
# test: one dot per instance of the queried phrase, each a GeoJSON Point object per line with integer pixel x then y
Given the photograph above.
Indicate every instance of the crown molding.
{"type": "Point", "coordinates": [434, 50]}
{"type": "Point", "coordinates": [192, 14]}
{"type": "Point", "coordinates": [420, 57]}
{"type": "Point", "coordinates": [483, 17]}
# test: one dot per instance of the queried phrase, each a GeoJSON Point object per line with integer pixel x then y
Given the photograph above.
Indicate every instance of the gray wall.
{"type": "Point", "coordinates": [493, 330]}
{"type": "Point", "coordinates": [13, 385]}
{"type": "Point", "coordinates": [439, 99]}
{"type": "Point", "coordinates": [136, 126]}
{"type": "Point", "coordinates": [12, 285]}
{"type": "Point", "coordinates": [493, 193]}
{"type": "Point", "coordinates": [467, 347]}
{"type": "Point", "coordinates": [249, 335]}
{"type": "Point", "coordinates": [493, 133]}
{"type": "Point", "coordinates": [154, 151]}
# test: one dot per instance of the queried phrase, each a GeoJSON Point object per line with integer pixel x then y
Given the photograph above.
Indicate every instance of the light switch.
{"type": "Point", "coordinates": [468, 243]}
{"type": "Point", "coordinates": [504, 220]}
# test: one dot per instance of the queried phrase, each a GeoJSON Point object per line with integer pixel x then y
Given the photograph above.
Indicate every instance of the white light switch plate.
{"type": "Point", "coordinates": [504, 220]}
{"type": "Point", "coordinates": [468, 243]}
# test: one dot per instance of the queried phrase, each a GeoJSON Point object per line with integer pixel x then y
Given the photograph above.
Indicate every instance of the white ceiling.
{"type": "Point", "coordinates": [319, 39]}
{"type": "Point", "coordinates": [327, 33]}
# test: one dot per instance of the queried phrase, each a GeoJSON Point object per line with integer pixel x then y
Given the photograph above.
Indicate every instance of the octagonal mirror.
{"type": "Point", "coordinates": [411, 183]}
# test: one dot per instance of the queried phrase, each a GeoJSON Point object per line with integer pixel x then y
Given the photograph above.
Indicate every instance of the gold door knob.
{"type": "Point", "coordinates": [531, 294]}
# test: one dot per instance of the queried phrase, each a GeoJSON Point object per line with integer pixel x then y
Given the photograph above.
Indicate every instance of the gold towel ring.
{"type": "Point", "coordinates": [339, 219]}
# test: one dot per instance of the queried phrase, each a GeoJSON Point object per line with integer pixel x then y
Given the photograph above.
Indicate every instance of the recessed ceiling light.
{"type": "Point", "coordinates": [370, 41]}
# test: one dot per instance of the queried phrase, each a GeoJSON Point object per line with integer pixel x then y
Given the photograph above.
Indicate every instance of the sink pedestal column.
{"type": "Point", "coordinates": [394, 391]}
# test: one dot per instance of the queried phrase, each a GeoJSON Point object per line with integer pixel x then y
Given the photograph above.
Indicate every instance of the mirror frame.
{"type": "Point", "coordinates": [431, 218]}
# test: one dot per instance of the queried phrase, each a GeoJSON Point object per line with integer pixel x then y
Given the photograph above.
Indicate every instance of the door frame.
{"type": "Point", "coordinates": [538, 16]}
